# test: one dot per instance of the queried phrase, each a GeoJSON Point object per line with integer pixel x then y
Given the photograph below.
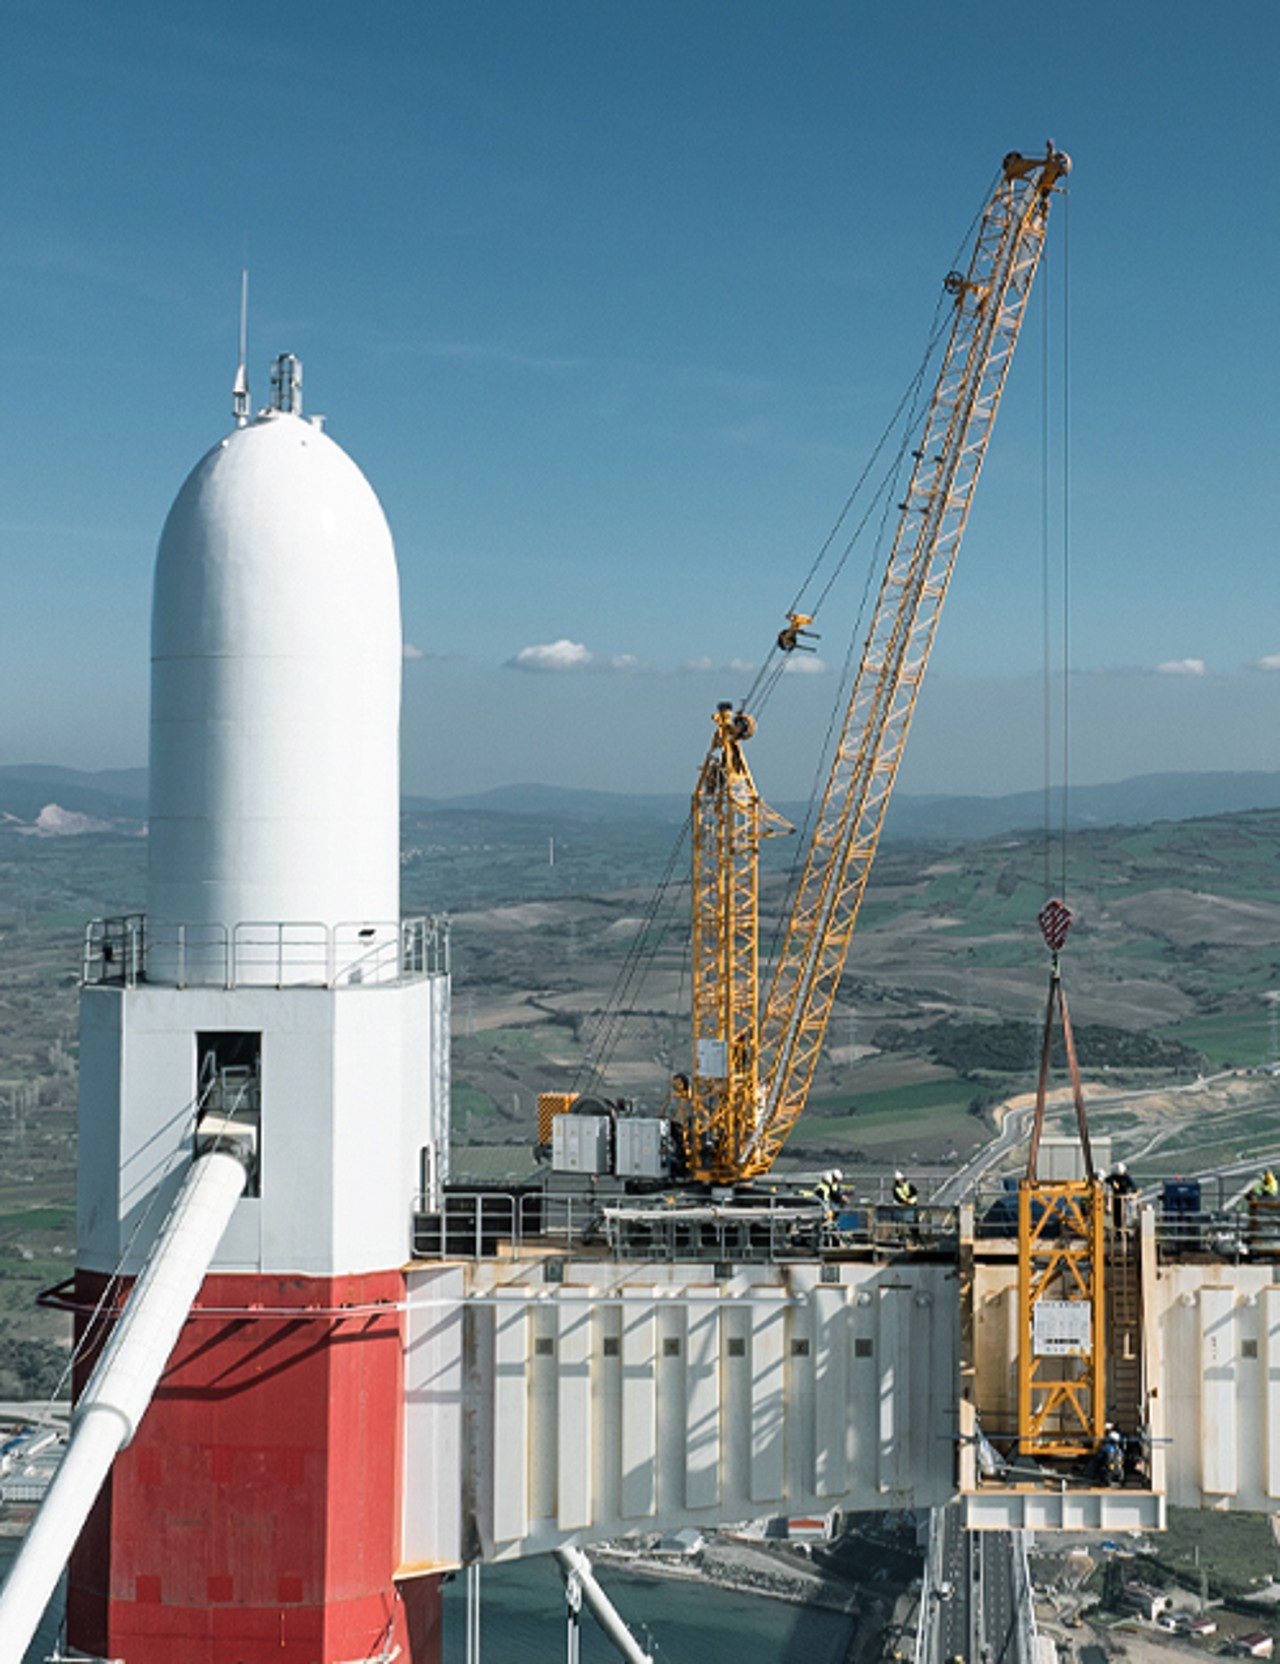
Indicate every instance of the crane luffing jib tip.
{"type": "Point", "coordinates": [1054, 165]}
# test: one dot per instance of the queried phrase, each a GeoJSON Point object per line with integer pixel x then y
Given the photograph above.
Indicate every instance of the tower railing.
{"type": "Point", "coordinates": [288, 953]}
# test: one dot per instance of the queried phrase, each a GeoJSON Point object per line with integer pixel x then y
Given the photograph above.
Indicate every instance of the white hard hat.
{"type": "Point", "coordinates": [897, 1173]}
{"type": "Point", "coordinates": [836, 1174]}
{"type": "Point", "coordinates": [1121, 1168]}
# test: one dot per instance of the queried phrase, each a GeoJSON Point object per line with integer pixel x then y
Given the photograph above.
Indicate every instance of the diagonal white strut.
{"type": "Point", "coordinates": [124, 1379]}
{"type": "Point", "coordinates": [576, 1568]}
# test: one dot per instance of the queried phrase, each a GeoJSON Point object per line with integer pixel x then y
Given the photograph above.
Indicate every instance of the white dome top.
{"type": "Point", "coordinates": [275, 692]}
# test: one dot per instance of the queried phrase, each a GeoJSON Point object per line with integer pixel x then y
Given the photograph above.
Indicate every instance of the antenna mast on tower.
{"type": "Point", "coordinates": [240, 388]}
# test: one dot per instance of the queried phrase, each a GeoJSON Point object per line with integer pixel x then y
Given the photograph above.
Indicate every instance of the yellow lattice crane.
{"type": "Point", "coordinates": [752, 1069]}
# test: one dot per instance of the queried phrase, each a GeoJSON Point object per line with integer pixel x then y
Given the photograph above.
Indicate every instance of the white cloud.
{"type": "Point", "coordinates": [411, 652]}
{"type": "Point", "coordinates": [1268, 661]}
{"type": "Point", "coordinates": [1181, 667]}
{"type": "Point", "coordinates": [805, 664]}
{"type": "Point", "coordinates": [734, 667]}
{"type": "Point", "coordinates": [557, 657]}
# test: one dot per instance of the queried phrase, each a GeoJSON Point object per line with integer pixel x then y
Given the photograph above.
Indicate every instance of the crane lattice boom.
{"type": "Point", "coordinates": [751, 1078]}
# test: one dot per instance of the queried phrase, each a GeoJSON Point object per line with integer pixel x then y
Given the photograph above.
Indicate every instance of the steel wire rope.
{"type": "Point", "coordinates": [644, 950]}
{"type": "Point", "coordinates": [635, 967]}
{"type": "Point", "coordinates": [1066, 526]}
{"type": "Point", "coordinates": [822, 765]}
{"type": "Point", "coordinates": [938, 328]}
{"type": "Point", "coordinates": [1058, 834]}
{"type": "Point", "coordinates": [1046, 622]}
{"type": "Point", "coordinates": [776, 660]}
{"type": "Point", "coordinates": [910, 413]}
{"type": "Point", "coordinates": [115, 1278]}
{"type": "Point", "coordinates": [884, 496]}
{"type": "Point", "coordinates": [631, 975]}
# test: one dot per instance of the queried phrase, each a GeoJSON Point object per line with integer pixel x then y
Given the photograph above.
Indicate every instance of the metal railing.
{"type": "Point", "coordinates": [1193, 1217]}
{"type": "Point", "coordinates": [479, 1224]}
{"type": "Point", "coordinates": [269, 953]}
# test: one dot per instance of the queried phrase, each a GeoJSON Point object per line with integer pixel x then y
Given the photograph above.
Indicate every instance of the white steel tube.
{"type": "Point", "coordinates": [574, 1563]}
{"type": "Point", "coordinates": [122, 1384]}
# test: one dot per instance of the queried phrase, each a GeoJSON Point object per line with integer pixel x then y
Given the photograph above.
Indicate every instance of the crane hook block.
{"type": "Point", "coordinates": [1055, 922]}
{"type": "Point", "coordinates": [795, 634]}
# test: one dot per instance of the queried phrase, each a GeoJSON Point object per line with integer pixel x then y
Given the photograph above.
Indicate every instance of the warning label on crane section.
{"type": "Point", "coordinates": [713, 1058]}
{"type": "Point", "coordinates": [1061, 1328]}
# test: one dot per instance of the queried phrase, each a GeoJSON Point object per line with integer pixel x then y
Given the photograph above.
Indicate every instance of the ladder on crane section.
{"type": "Point", "coordinates": [1125, 1382]}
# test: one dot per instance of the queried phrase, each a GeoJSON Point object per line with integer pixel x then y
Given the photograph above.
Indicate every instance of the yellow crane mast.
{"type": "Point", "coordinates": [752, 1071]}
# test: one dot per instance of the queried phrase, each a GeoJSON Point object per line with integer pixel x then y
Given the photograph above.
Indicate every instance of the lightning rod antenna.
{"type": "Point", "coordinates": [240, 389]}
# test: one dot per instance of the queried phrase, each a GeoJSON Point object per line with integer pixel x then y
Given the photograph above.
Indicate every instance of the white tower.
{"type": "Point", "coordinates": [276, 652]}
{"type": "Point", "coordinates": [271, 991]}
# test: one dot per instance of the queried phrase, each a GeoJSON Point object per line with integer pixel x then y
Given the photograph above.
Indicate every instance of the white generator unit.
{"type": "Point", "coordinates": [641, 1147]}
{"type": "Point", "coordinates": [580, 1144]}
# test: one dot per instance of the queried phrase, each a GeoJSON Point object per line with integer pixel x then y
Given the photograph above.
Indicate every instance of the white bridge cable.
{"type": "Point", "coordinates": [111, 1288]}
{"type": "Point", "coordinates": [582, 1584]}
{"type": "Point", "coordinates": [123, 1382]}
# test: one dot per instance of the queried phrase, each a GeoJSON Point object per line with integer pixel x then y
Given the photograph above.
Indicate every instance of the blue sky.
{"type": "Point", "coordinates": [611, 302]}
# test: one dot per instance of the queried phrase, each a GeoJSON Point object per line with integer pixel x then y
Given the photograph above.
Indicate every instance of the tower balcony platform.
{"type": "Point", "coordinates": [131, 949]}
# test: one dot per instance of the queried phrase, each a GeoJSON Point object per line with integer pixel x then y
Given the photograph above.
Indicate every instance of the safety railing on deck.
{"type": "Point", "coordinates": [275, 953]}
{"type": "Point", "coordinates": [480, 1224]}
{"type": "Point", "coordinates": [1209, 1217]}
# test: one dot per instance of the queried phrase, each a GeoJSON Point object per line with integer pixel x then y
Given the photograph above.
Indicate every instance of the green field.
{"type": "Point", "coordinates": [1234, 1039]}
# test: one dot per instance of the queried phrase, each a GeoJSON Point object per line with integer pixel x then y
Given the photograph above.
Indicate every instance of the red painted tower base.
{"type": "Point", "coordinates": [256, 1515]}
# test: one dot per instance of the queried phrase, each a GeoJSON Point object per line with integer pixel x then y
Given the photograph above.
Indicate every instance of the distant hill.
{"type": "Point", "coordinates": [120, 794]}
{"type": "Point", "coordinates": [115, 794]}
{"type": "Point", "coordinates": [1135, 802]}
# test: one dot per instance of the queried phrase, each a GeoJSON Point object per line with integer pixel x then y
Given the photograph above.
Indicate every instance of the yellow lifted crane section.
{"type": "Point", "coordinates": [752, 1072]}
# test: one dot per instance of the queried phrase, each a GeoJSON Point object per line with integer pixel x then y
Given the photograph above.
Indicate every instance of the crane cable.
{"type": "Point", "coordinates": [911, 411]}
{"type": "Point", "coordinates": [1058, 834]}
{"type": "Point", "coordinates": [644, 948]}
{"type": "Point", "coordinates": [639, 958]}
{"type": "Point", "coordinates": [767, 676]}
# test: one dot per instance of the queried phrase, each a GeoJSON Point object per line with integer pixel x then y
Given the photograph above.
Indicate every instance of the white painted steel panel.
{"type": "Point", "coordinates": [639, 1483]}
{"type": "Point", "coordinates": [654, 1411]}
{"type": "Point", "coordinates": [511, 1418]}
{"type": "Point", "coordinates": [801, 1431]}
{"type": "Point", "coordinates": [893, 1348]}
{"type": "Point", "coordinates": [1269, 1347]}
{"type": "Point", "coordinates": [831, 1406]}
{"type": "Point", "coordinates": [544, 1397]}
{"type": "Point", "coordinates": [433, 1442]}
{"type": "Point", "coordinates": [768, 1395]}
{"type": "Point", "coordinates": [347, 1083]}
{"type": "Point", "coordinates": [702, 1406]}
{"type": "Point", "coordinates": [1219, 1445]}
{"type": "Point", "coordinates": [575, 1476]}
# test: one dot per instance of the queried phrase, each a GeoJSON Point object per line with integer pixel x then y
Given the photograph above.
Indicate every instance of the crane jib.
{"type": "Point", "coordinates": [741, 1120]}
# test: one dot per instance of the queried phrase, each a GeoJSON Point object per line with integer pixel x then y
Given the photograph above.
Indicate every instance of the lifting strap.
{"type": "Point", "coordinates": [1055, 922]}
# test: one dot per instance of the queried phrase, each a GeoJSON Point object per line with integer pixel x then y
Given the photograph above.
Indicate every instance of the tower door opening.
{"type": "Point", "coordinates": [229, 1094]}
